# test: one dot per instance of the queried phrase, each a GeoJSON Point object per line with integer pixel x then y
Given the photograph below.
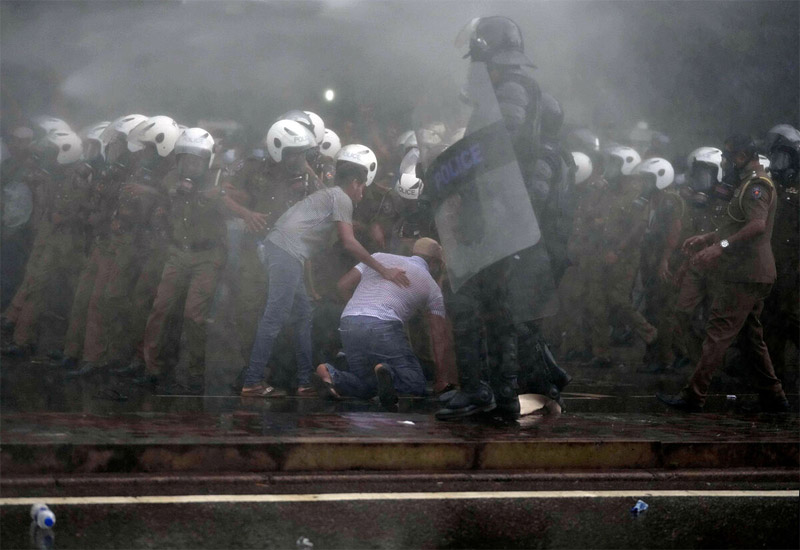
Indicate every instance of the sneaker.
{"type": "Point", "coordinates": [466, 403]}
{"type": "Point", "coordinates": [387, 395]}
{"type": "Point", "coordinates": [86, 369]}
{"type": "Point", "coordinates": [262, 390]}
{"type": "Point", "coordinates": [134, 369]}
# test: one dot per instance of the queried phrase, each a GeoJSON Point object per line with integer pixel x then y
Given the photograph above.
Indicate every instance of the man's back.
{"type": "Point", "coordinates": [377, 297]}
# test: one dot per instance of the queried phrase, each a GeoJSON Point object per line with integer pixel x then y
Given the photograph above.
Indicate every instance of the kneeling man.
{"type": "Point", "coordinates": [379, 357]}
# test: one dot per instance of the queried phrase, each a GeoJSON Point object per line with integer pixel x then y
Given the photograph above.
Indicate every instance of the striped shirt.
{"type": "Point", "coordinates": [376, 297]}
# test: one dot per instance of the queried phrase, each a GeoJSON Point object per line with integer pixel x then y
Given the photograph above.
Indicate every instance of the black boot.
{"type": "Point", "coordinates": [507, 397]}
{"type": "Point", "coordinates": [469, 402]}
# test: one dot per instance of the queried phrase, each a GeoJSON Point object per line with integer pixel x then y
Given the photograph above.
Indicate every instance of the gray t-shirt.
{"type": "Point", "coordinates": [304, 229]}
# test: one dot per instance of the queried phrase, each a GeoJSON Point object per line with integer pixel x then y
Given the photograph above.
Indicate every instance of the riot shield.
{"type": "Point", "coordinates": [482, 209]}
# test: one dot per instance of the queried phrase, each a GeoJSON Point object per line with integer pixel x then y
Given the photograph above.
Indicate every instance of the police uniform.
{"type": "Point", "coordinates": [94, 276]}
{"type": "Point", "coordinates": [609, 286]}
{"type": "Point", "coordinates": [781, 316]}
{"type": "Point", "coordinates": [667, 230]}
{"type": "Point", "coordinates": [741, 281]}
{"type": "Point", "coordinates": [691, 308]}
{"type": "Point", "coordinates": [58, 251]}
{"type": "Point", "coordinates": [195, 258]}
{"type": "Point", "coordinates": [112, 332]}
{"type": "Point", "coordinates": [574, 290]}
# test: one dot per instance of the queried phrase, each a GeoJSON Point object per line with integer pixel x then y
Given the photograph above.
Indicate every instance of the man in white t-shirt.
{"type": "Point", "coordinates": [300, 233]}
{"type": "Point", "coordinates": [379, 357]}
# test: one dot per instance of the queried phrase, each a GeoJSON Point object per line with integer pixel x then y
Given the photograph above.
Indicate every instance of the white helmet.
{"type": "Point", "coordinates": [331, 144]}
{"type": "Point", "coordinates": [584, 167]}
{"type": "Point", "coordinates": [49, 124]}
{"type": "Point", "coordinates": [620, 160]}
{"type": "Point", "coordinates": [94, 131]}
{"type": "Point", "coordinates": [305, 119]}
{"type": "Point", "coordinates": [195, 141]}
{"type": "Point", "coordinates": [70, 146]}
{"type": "Point", "coordinates": [123, 125]}
{"type": "Point", "coordinates": [409, 186]}
{"type": "Point", "coordinates": [707, 155]}
{"type": "Point", "coordinates": [361, 155]}
{"type": "Point", "coordinates": [660, 168]}
{"type": "Point", "coordinates": [319, 126]}
{"type": "Point", "coordinates": [288, 135]}
{"type": "Point", "coordinates": [764, 162]}
{"type": "Point", "coordinates": [407, 139]}
{"type": "Point", "coordinates": [161, 131]}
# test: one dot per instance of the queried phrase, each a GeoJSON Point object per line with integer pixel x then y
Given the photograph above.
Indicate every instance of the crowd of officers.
{"type": "Point", "coordinates": [140, 219]}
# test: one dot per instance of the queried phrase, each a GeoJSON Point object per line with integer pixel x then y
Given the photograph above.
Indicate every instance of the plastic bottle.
{"type": "Point", "coordinates": [43, 516]}
{"type": "Point", "coordinates": [639, 507]}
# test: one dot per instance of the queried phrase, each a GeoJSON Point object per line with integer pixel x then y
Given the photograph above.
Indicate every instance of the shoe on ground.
{"type": "Point", "coordinates": [324, 389]}
{"type": "Point", "coordinates": [387, 395]}
{"type": "Point", "coordinates": [175, 388]}
{"type": "Point", "coordinates": [466, 403]}
{"type": "Point", "coordinates": [85, 369]}
{"type": "Point", "coordinates": [655, 367]}
{"type": "Point", "coordinates": [679, 403]}
{"type": "Point", "coordinates": [446, 394]}
{"type": "Point", "coordinates": [262, 390]}
{"type": "Point", "coordinates": [55, 355]}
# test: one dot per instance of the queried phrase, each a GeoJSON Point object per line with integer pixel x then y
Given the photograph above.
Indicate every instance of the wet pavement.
{"type": "Point", "coordinates": [54, 424]}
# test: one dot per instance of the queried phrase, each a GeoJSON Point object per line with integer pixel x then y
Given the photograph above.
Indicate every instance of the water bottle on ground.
{"type": "Point", "coordinates": [43, 516]}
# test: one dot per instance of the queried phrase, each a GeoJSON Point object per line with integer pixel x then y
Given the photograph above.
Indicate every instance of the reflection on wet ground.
{"type": "Point", "coordinates": [40, 405]}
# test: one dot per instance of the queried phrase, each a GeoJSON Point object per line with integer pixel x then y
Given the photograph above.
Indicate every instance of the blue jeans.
{"type": "Point", "coordinates": [287, 302]}
{"type": "Point", "coordinates": [368, 341]}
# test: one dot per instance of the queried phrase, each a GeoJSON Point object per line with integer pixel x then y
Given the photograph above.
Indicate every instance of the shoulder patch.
{"type": "Point", "coordinates": [756, 191]}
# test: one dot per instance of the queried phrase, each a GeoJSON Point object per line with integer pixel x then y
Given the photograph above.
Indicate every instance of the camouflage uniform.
{"type": "Point", "coordinates": [58, 249]}
{"type": "Point", "coordinates": [94, 276]}
{"type": "Point", "coordinates": [136, 230]}
{"type": "Point", "coordinates": [669, 226]}
{"type": "Point", "coordinates": [608, 287]}
{"type": "Point", "coordinates": [196, 256]}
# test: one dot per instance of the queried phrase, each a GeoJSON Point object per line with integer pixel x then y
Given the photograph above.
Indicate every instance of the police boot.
{"type": "Point", "coordinates": [556, 374]}
{"type": "Point", "coordinates": [506, 392]}
{"type": "Point", "coordinates": [468, 402]}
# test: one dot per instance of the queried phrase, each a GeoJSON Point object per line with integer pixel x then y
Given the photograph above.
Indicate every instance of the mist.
{"type": "Point", "coordinates": [694, 70]}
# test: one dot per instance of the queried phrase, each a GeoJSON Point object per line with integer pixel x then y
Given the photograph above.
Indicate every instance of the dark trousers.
{"type": "Point", "coordinates": [735, 308]}
{"type": "Point", "coordinates": [368, 341]}
{"type": "Point", "coordinates": [484, 335]}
